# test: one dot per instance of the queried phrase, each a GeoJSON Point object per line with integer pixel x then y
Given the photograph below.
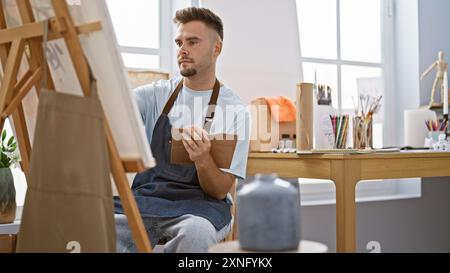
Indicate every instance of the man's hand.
{"type": "Point", "coordinates": [212, 180]}
{"type": "Point", "coordinates": [197, 144]}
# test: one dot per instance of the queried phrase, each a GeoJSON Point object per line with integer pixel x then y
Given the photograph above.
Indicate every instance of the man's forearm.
{"type": "Point", "coordinates": [212, 180]}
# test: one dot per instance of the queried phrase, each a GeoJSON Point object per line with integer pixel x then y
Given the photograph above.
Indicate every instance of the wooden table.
{"type": "Point", "coordinates": [8, 243]}
{"type": "Point", "coordinates": [303, 247]}
{"type": "Point", "coordinates": [346, 170]}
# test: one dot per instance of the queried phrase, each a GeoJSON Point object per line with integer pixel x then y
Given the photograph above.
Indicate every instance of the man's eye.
{"type": "Point", "coordinates": [192, 42]}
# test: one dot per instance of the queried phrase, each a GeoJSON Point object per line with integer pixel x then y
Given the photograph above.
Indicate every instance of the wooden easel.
{"type": "Point", "coordinates": [27, 39]}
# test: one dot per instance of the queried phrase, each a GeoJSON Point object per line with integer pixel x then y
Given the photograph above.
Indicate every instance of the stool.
{"type": "Point", "coordinates": [234, 247]}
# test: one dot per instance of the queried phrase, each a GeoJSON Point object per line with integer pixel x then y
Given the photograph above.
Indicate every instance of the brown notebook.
{"type": "Point", "coordinates": [222, 151]}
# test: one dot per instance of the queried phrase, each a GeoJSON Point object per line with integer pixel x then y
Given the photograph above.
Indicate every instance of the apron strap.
{"type": "Point", "coordinates": [211, 105]}
{"type": "Point", "coordinates": [172, 98]}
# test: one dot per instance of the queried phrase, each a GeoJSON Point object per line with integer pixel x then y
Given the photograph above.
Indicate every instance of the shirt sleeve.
{"type": "Point", "coordinates": [242, 129]}
{"type": "Point", "coordinates": [144, 97]}
{"type": "Point", "coordinates": [150, 100]}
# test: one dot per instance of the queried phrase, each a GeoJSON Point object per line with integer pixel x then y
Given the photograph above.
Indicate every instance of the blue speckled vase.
{"type": "Point", "coordinates": [268, 213]}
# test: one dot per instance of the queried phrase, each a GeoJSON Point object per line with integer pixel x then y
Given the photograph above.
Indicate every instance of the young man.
{"type": "Point", "coordinates": [188, 206]}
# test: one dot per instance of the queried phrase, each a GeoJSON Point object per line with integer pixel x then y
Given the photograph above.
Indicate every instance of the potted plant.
{"type": "Point", "coordinates": [8, 157]}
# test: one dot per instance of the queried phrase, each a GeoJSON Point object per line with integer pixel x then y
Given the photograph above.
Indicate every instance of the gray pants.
{"type": "Point", "coordinates": [187, 233]}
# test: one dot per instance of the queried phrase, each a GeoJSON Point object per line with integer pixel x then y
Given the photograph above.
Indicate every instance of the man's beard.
{"type": "Point", "coordinates": [188, 72]}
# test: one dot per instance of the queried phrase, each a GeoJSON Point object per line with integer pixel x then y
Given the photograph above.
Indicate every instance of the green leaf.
{"type": "Point", "coordinates": [11, 140]}
{"type": "Point", "coordinates": [3, 135]}
{"type": "Point", "coordinates": [11, 148]}
{"type": "Point", "coordinates": [4, 163]}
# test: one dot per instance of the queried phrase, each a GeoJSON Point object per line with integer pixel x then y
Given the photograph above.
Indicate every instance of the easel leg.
{"type": "Point", "coordinates": [126, 196]}
{"type": "Point", "coordinates": [19, 121]}
{"type": "Point", "coordinates": [73, 45]}
{"type": "Point", "coordinates": [11, 69]}
{"type": "Point", "coordinates": [35, 45]}
{"type": "Point", "coordinates": [22, 138]}
{"type": "Point", "coordinates": [34, 62]}
{"type": "Point", "coordinates": [18, 116]}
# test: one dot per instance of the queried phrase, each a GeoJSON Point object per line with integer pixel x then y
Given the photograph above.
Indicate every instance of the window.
{"type": "Point", "coordinates": [141, 28]}
{"type": "Point", "coordinates": [341, 42]}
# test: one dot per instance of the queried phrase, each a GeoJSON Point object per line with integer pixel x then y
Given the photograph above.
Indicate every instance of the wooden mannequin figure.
{"type": "Point", "coordinates": [442, 67]}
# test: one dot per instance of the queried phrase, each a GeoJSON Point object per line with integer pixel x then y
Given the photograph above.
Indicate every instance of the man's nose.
{"type": "Point", "coordinates": [183, 51]}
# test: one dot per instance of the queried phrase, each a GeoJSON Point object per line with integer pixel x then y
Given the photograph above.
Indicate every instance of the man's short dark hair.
{"type": "Point", "coordinates": [206, 16]}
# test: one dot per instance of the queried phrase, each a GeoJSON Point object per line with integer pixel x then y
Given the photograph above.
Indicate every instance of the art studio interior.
{"type": "Point", "coordinates": [255, 126]}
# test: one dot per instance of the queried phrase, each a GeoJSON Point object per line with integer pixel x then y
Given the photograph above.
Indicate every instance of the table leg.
{"type": "Point", "coordinates": [345, 175]}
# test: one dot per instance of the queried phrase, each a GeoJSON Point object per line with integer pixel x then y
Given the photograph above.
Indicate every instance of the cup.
{"type": "Point", "coordinates": [434, 135]}
{"type": "Point", "coordinates": [362, 133]}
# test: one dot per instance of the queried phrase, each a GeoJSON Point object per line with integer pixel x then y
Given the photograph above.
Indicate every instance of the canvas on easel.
{"type": "Point", "coordinates": [102, 53]}
{"type": "Point", "coordinates": [22, 40]}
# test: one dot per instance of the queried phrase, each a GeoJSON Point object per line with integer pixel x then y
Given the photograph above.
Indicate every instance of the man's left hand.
{"type": "Point", "coordinates": [197, 143]}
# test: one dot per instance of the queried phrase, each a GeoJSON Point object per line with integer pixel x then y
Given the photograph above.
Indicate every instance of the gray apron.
{"type": "Point", "coordinates": [170, 190]}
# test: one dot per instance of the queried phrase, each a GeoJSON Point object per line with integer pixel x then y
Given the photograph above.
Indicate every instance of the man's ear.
{"type": "Point", "coordinates": [218, 48]}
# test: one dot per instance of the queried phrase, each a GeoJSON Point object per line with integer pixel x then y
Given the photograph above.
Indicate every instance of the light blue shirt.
{"type": "Point", "coordinates": [190, 108]}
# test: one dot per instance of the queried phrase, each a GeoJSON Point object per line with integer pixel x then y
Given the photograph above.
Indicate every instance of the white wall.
{"type": "Point", "coordinates": [421, 30]}
{"type": "Point", "coordinates": [261, 47]}
{"type": "Point", "coordinates": [434, 24]}
{"type": "Point", "coordinates": [406, 62]}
